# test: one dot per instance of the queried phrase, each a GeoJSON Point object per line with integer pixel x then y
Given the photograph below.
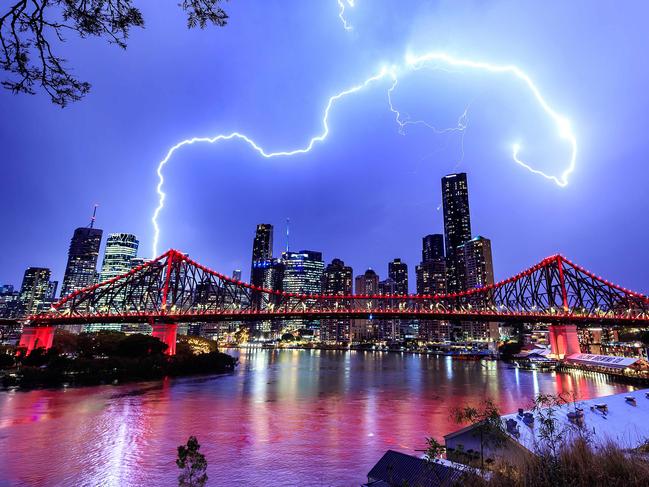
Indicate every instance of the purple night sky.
{"type": "Point", "coordinates": [367, 194]}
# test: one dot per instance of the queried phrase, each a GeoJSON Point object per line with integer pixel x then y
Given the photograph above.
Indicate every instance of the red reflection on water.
{"type": "Point", "coordinates": [290, 417]}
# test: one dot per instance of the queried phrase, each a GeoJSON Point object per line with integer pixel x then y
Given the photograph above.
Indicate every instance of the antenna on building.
{"type": "Point", "coordinates": [94, 216]}
{"type": "Point", "coordinates": [288, 221]}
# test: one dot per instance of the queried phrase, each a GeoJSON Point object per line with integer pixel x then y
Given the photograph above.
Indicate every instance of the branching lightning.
{"type": "Point", "coordinates": [341, 13]}
{"type": "Point", "coordinates": [563, 125]}
{"type": "Point", "coordinates": [391, 72]}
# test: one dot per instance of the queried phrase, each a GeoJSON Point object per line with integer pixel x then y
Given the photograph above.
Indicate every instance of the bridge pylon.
{"type": "Point", "coordinates": [34, 337]}
{"type": "Point", "coordinates": [166, 333]}
{"type": "Point", "coordinates": [563, 340]}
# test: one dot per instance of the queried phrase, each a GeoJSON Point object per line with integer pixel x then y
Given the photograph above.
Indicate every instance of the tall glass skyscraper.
{"type": "Point", "coordinates": [262, 253]}
{"type": "Point", "coordinates": [81, 269]}
{"type": "Point", "coordinates": [433, 247]}
{"type": "Point", "coordinates": [121, 248]}
{"type": "Point", "coordinates": [398, 272]}
{"type": "Point", "coordinates": [262, 245]}
{"type": "Point", "coordinates": [431, 279]}
{"type": "Point", "coordinates": [457, 228]}
{"type": "Point", "coordinates": [362, 329]}
{"type": "Point", "coordinates": [478, 262]}
{"type": "Point", "coordinates": [303, 272]}
{"type": "Point", "coordinates": [337, 280]}
{"type": "Point", "coordinates": [36, 292]}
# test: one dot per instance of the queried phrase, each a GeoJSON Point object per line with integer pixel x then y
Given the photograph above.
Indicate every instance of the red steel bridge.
{"type": "Point", "coordinates": [173, 288]}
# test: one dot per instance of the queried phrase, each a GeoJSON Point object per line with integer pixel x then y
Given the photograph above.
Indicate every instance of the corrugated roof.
{"type": "Point", "coordinates": [602, 360]}
{"type": "Point", "coordinates": [624, 422]}
{"type": "Point", "coordinates": [396, 468]}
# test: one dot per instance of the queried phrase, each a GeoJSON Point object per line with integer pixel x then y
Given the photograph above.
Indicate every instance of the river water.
{"type": "Point", "coordinates": [291, 417]}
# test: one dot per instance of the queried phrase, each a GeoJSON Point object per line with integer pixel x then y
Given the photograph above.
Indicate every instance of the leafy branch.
{"type": "Point", "coordinates": [30, 28]}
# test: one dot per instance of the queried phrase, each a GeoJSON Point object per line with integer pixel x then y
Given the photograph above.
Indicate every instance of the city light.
{"type": "Point", "coordinates": [412, 63]}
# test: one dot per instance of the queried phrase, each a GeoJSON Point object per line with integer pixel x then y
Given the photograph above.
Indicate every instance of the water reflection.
{"type": "Point", "coordinates": [294, 417]}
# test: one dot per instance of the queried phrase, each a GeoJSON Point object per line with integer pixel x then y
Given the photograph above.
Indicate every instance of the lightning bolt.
{"type": "Point", "coordinates": [563, 124]}
{"type": "Point", "coordinates": [412, 63]}
{"type": "Point", "coordinates": [341, 13]}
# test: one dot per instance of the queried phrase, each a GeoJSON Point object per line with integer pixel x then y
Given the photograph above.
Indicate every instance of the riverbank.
{"type": "Point", "coordinates": [109, 358]}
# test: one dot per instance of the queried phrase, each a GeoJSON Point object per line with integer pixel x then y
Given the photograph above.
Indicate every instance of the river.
{"type": "Point", "coordinates": [291, 417]}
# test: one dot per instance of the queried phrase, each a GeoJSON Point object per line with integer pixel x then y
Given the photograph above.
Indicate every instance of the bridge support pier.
{"type": "Point", "coordinates": [166, 333]}
{"type": "Point", "coordinates": [563, 340]}
{"type": "Point", "coordinates": [34, 337]}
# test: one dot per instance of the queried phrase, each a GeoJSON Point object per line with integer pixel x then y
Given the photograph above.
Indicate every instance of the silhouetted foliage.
{"type": "Point", "coordinates": [192, 463]}
{"type": "Point", "coordinates": [6, 360]}
{"type": "Point", "coordinates": [29, 28]}
{"type": "Point", "coordinates": [509, 349]}
{"type": "Point", "coordinates": [65, 342]}
{"type": "Point", "coordinates": [488, 426]}
{"type": "Point", "coordinates": [107, 357]}
{"type": "Point", "coordinates": [139, 346]}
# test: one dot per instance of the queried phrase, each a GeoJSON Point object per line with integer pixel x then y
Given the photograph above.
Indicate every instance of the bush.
{"type": "Point", "coordinates": [577, 465]}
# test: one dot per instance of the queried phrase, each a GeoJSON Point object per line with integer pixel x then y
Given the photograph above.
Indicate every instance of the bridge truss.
{"type": "Point", "coordinates": [173, 288]}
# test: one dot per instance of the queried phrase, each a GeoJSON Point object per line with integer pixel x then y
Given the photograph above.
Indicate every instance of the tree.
{"type": "Point", "coordinates": [192, 463]}
{"type": "Point", "coordinates": [6, 359]}
{"type": "Point", "coordinates": [138, 345]}
{"type": "Point", "coordinates": [29, 28]}
{"type": "Point", "coordinates": [435, 449]}
{"type": "Point", "coordinates": [488, 425]}
{"type": "Point", "coordinates": [65, 342]}
{"type": "Point", "coordinates": [509, 349]}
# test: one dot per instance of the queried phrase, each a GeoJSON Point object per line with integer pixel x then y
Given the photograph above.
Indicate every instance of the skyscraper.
{"type": "Point", "coordinates": [81, 269]}
{"type": "Point", "coordinates": [431, 272]}
{"type": "Point", "coordinates": [433, 247]}
{"type": "Point", "coordinates": [362, 329]}
{"type": "Point", "coordinates": [457, 227]}
{"type": "Point", "coordinates": [478, 262]}
{"type": "Point", "coordinates": [121, 248]}
{"type": "Point", "coordinates": [9, 302]}
{"type": "Point", "coordinates": [262, 253]}
{"type": "Point", "coordinates": [397, 283]}
{"type": "Point", "coordinates": [337, 280]}
{"type": "Point", "coordinates": [367, 283]}
{"type": "Point", "coordinates": [36, 290]}
{"type": "Point", "coordinates": [431, 280]}
{"type": "Point", "coordinates": [262, 245]}
{"type": "Point", "coordinates": [398, 272]}
{"type": "Point", "coordinates": [119, 255]}
{"type": "Point", "coordinates": [303, 273]}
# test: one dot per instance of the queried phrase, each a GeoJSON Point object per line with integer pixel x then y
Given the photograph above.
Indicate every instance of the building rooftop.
{"type": "Point", "coordinates": [620, 418]}
{"type": "Point", "coordinates": [396, 469]}
{"type": "Point", "coordinates": [602, 360]}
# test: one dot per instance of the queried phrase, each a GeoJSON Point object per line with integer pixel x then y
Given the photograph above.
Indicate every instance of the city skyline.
{"type": "Point", "coordinates": [530, 217]}
{"type": "Point", "coordinates": [120, 250]}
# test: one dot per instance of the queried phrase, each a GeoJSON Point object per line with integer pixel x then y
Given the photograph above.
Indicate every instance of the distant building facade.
{"type": "Point", "coordinates": [398, 272]}
{"type": "Point", "coordinates": [337, 280]}
{"type": "Point", "coordinates": [262, 254]}
{"type": "Point", "coordinates": [457, 228]}
{"type": "Point", "coordinates": [431, 280]}
{"type": "Point", "coordinates": [362, 330]}
{"type": "Point", "coordinates": [37, 292]}
{"type": "Point", "coordinates": [121, 249]}
{"type": "Point", "coordinates": [302, 274]}
{"type": "Point", "coordinates": [81, 268]}
{"type": "Point", "coordinates": [478, 263]}
{"type": "Point", "coordinates": [9, 302]}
